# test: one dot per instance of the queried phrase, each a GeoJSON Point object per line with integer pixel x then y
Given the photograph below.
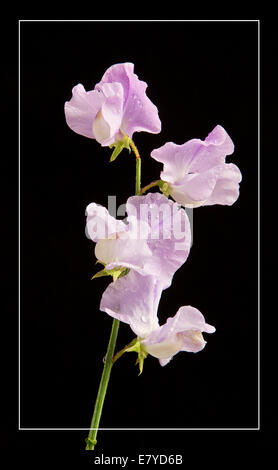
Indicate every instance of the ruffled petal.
{"type": "Point", "coordinates": [196, 171]}
{"type": "Point", "coordinates": [194, 156]}
{"type": "Point", "coordinates": [183, 332]}
{"type": "Point", "coordinates": [169, 235]}
{"type": "Point", "coordinates": [133, 299]}
{"type": "Point", "coordinates": [226, 190]}
{"type": "Point", "coordinates": [140, 114]}
{"type": "Point", "coordinates": [176, 159]}
{"type": "Point", "coordinates": [82, 109]}
{"type": "Point", "coordinates": [198, 187]}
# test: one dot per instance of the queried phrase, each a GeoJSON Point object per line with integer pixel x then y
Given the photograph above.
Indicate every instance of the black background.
{"type": "Point", "coordinates": [199, 74]}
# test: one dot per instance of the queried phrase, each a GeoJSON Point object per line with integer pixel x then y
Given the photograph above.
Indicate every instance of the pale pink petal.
{"type": "Point", "coordinates": [169, 236]}
{"type": "Point", "coordinates": [133, 299]}
{"type": "Point", "coordinates": [82, 109]}
{"type": "Point", "coordinates": [176, 159]}
{"type": "Point", "coordinates": [226, 190]}
{"type": "Point", "coordinates": [139, 113]}
{"type": "Point", "coordinates": [111, 111]}
{"type": "Point", "coordinates": [199, 186]}
{"type": "Point", "coordinates": [183, 332]}
{"type": "Point", "coordinates": [196, 171]}
{"type": "Point", "coordinates": [100, 224]}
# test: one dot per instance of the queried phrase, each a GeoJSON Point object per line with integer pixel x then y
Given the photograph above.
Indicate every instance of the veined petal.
{"type": "Point", "coordinates": [134, 299]}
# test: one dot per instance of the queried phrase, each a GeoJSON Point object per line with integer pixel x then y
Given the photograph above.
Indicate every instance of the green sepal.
{"type": "Point", "coordinates": [115, 272]}
{"type": "Point", "coordinates": [164, 188]}
{"type": "Point", "coordinates": [124, 272]}
{"type": "Point", "coordinates": [136, 346]}
{"type": "Point", "coordinates": [119, 146]}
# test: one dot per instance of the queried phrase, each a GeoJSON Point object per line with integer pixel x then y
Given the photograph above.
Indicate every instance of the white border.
{"type": "Point", "coordinates": [19, 342]}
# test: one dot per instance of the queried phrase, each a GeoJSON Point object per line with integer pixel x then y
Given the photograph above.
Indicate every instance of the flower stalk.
{"type": "Point", "coordinates": [91, 439]}
{"type": "Point", "coordinates": [151, 185]}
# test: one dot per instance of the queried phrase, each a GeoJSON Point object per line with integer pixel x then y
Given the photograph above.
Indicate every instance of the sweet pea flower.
{"type": "Point", "coordinates": [117, 106]}
{"type": "Point", "coordinates": [196, 171]}
{"type": "Point", "coordinates": [134, 300]}
{"type": "Point", "coordinates": [155, 240]}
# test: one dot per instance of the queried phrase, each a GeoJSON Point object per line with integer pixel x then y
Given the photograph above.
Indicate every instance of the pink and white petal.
{"type": "Point", "coordinates": [183, 332]}
{"type": "Point", "coordinates": [219, 137]}
{"type": "Point", "coordinates": [82, 109]}
{"type": "Point", "coordinates": [190, 318]}
{"type": "Point", "coordinates": [199, 186]}
{"type": "Point", "coordinates": [133, 299]}
{"type": "Point", "coordinates": [140, 114]}
{"type": "Point", "coordinates": [112, 110]}
{"type": "Point", "coordinates": [100, 224]}
{"type": "Point", "coordinates": [127, 252]}
{"type": "Point", "coordinates": [163, 349]}
{"type": "Point", "coordinates": [193, 341]}
{"type": "Point", "coordinates": [187, 318]}
{"type": "Point", "coordinates": [119, 73]}
{"type": "Point", "coordinates": [136, 265]}
{"type": "Point", "coordinates": [213, 151]}
{"type": "Point", "coordinates": [176, 159]}
{"type": "Point", "coordinates": [178, 194]}
{"type": "Point", "coordinates": [194, 156]}
{"type": "Point", "coordinates": [226, 190]}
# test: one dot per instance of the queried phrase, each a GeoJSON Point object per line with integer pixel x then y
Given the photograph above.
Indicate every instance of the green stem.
{"type": "Point", "coordinates": [138, 177]}
{"type": "Point", "coordinates": [151, 185]}
{"type": "Point", "coordinates": [122, 351]}
{"type": "Point", "coordinates": [138, 168]}
{"type": "Point", "coordinates": [91, 440]}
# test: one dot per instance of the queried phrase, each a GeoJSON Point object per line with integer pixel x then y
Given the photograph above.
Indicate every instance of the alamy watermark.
{"type": "Point", "coordinates": [142, 221]}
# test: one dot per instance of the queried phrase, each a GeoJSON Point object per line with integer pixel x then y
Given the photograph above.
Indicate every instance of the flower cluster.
{"type": "Point", "coordinates": [143, 252]}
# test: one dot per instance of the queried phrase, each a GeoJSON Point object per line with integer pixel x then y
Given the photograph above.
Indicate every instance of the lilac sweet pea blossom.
{"type": "Point", "coordinates": [134, 299]}
{"type": "Point", "coordinates": [196, 172]}
{"type": "Point", "coordinates": [155, 240]}
{"type": "Point", "coordinates": [117, 106]}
